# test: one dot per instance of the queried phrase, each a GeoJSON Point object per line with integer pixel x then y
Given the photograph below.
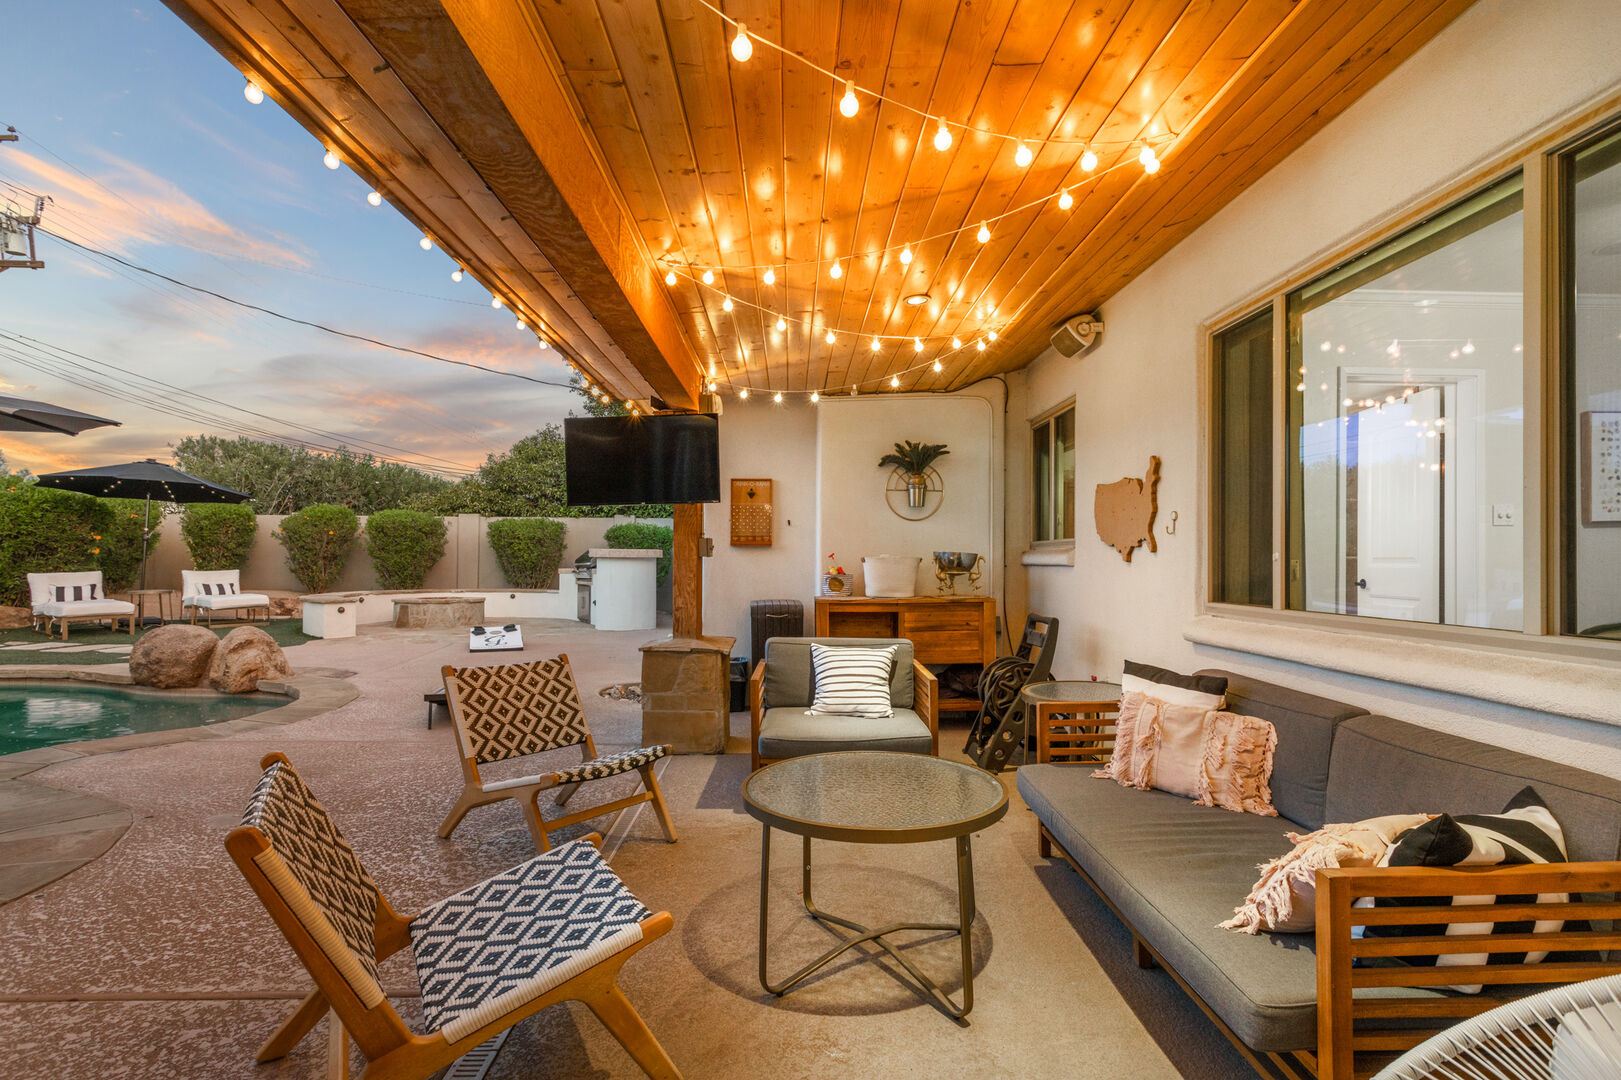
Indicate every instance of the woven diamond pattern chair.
{"type": "Point", "coordinates": [517, 710]}
{"type": "Point", "coordinates": [555, 928]}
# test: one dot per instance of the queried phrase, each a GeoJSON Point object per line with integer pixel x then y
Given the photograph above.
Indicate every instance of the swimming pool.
{"type": "Point", "coordinates": [45, 714]}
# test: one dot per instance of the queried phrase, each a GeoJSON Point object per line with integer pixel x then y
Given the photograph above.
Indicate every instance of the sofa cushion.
{"type": "Point", "coordinates": [787, 732]}
{"type": "Point", "coordinates": [1175, 870]}
{"type": "Point", "coordinates": [85, 609]}
{"type": "Point", "coordinates": [227, 602]}
{"type": "Point", "coordinates": [42, 587]}
{"type": "Point", "coordinates": [788, 670]}
{"type": "Point", "coordinates": [1305, 726]}
{"type": "Point", "coordinates": [1385, 766]}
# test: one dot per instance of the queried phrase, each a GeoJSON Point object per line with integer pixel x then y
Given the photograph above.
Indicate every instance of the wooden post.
{"type": "Point", "coordinates": [688, 570]}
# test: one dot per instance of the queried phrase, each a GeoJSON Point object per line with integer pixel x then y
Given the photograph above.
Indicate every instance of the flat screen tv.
{"type": "Point", "coordinates": [621, 460]}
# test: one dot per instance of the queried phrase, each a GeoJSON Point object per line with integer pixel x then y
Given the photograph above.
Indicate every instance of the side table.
{"type": "Point", "coordinates": [138, 598]}
{"type": "Point", "coordinates": [1074, 720]}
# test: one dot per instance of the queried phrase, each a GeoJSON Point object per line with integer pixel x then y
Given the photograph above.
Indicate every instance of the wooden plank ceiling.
{"type": "Point", "coordinates": [578, 150]}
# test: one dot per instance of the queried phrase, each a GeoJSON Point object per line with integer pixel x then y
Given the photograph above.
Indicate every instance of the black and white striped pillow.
{"type": "Point", "coordinates": [78, 592]}
{"type": "Point", "coordinates": [1525, 832]}
{"type": "Point", "coordinates": [852, 680]}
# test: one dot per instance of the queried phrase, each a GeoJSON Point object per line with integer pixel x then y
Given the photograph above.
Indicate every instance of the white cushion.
{"type": "Point", "coordinates": [56, 609]}
{"type": "Point", "coordinates": [42, 587]}
{"type": "Point", "coordinates": [851, 680]}
{"type": "Point", "coordinates": [225, 603]}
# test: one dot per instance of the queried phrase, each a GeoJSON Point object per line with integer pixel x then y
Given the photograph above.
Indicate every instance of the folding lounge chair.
{"type": "Point", "coordinates": [555, 928]}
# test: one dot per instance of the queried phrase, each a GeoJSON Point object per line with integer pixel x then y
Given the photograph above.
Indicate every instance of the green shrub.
{"type": "Point", "coordinates": [404, 545]}
{"type": "Point", "coordinates": [318, 539]}
{"type": "Point", "coordinates": [636, 534]}
{"type": "Point", "coordinates": [45, 531]}
{"type": "Point", "coordinates": [120, 557]}
{"type": "Point", "coordinates": [219, 535]}
{"type": "Point", "coordinates": [528, 550]}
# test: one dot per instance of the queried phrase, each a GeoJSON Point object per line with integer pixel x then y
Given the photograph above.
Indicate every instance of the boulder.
{"type": "Point", "coordinates": [246, 655]}
{"type": "Point", "coordinates": [173, 655]}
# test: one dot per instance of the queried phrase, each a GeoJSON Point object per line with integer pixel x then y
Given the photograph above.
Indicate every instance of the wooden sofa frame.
{"type": "Point", "coordinates": [925, 702]}
{"type": "Point", "coordinates": [1356, 1036]}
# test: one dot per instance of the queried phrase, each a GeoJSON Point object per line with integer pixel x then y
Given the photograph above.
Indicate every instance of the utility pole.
{"type": "Point", "coordinates": [17, 230]}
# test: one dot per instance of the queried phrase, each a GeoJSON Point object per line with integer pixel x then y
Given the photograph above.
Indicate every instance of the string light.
{"type": "Point", "coordinates": [956, 343]}
{"type": "Point", "coordinates": [426, 243]}
{"type": "Point", "coordinates": [937, 367]}
{"type": "Point", "coordinates": [1089, 160]}
{"type": "Point", "coordinates": [521, 325]}
{"type": "Point", "coordinates": [495, 301]}
{"type": "Point", "coordinates": [711, 386]}
{"type": "Point", "coordinates": [726, 304]}
{"type": "Point", "coordinates": [669, 278]}
{"type": "Point", "coordinates": [1149, 160]}
{"type": "Point", "coordinates": [894, 382]}
{"type": "Point", "coordinates": [942, 136]}
{"type": "Point", "coordinates": [906, 255]}
{"type": "Point", "coordinates": [835, 271]}
{"type": "Point", "coordinates": [848, 105]}
{"type": "Point", "coordinates": [777, 397]}
{"type": "Point", "coordinates": [742, 47]}
{"type": "Point", "coordinates": [984, 233]}
{"type": "Point", "coordinates": [1066, 200]}
{"type": "Point", "coordinates": [330, 160]}
{"type": "Point", "coordinates": [815, 397]}
{"type": "Point", "coordinates": [709, 277]}
{"type": "Point", "coordinates": [917, 344]}
{"type": "Point", "coordinates": [743, 393]}
{"type": "Point", "coordinates": [831, 337]}
{"type": "Point", "coordinates": [253, 93]}
{"type": "Point", "coordinates": [782, 324]}
{"type": "Point", "coordinates": [544, 345]}
{"type": "Point", "coordinates": [991, 335]}
{"type": "Point", "coordinates": [876, 345]}
{"type": "Point", "coordinates": [770, 277]}
{"type": "Point", "coordinates": [456, 274]}
{"type": "Point", "coordinates": [981, 345]}
{"type": "Point", "coordinates": [1022, 157]}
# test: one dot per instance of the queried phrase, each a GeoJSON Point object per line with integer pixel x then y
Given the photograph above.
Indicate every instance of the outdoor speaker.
{"type": "Point", "coordinates": [1077, 334]}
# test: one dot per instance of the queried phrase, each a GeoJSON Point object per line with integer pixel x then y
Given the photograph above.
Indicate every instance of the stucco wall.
{"type": "Point", "coordinates": [1501, 70]}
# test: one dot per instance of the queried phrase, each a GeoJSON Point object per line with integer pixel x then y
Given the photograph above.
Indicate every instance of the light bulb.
{"type": "Point", "coordinates": [770, 277]}
{"type": "Point", "coordinates": [876, 345]}
{"type": "Point", "coordinates": [848, 105]}
{"type": "Point", "coordinates": [984, 232]}
{"type": "Point", "coordinates": [330, 160]}
{"type": "Point", "coordinates": [917, 344]}
{"type": "Point", "coordinates": [726, 304]}
{"type": "Point", "coordinates": [711, 386]}
{"type": "Point", "coordinates": [980, 345]}
{"type": "Point", "coordinates": [906, 255]}
{"type": "Point", "coordinates": [1325, 346]}
{"type": "Point", "coordinates": [782, 324]}
{"type": "Point", "coordinates": [777, 397]}
{"type": "Point", "coordinates": [1089, 160]}
{"type": "Point", "coordinates": [456, 274]}
{"type": "Point", "coordinates": [1469, 346]}
{"type": "Point", "coordinates": [831, 337]}
{"type": "Point", "coordinates": [520, 325]}
{"type": "Point", "coordinates": [742, 47]}
{"type": "Point", "coordinates": [374, 198]}
{"type": "Point", "coordinates": [815, 397]}
{"type": "Point", "coordinates": [1022, 156]}
{"type": "Point", "coordinates": [669, 278]}
{"type": "Point", "coordinates": [743, 393]}
{"type": "Point", "coordinates": [942, 136]}
{"type": "Point", "coordinates": [1146, 155]}
{"type": "Point", "coordinates": [835, 271]}
{"type": "Point", "coordinates": [895, 382]}
{"type": "Point", "coordinates": [252, 92]}
{"type": "Point", "coordinates": [1151, 167]}
{"type": "Point", "coordinates": [544, 344]}
{"type": "Point", "coordinates": [495, 301]}
{"type": "Point", "coordinates": [937, 366]}
{"type": "Point", "coordinates": [956, 343]}
{"type": "Point", "coordinates": [426, 243]}
{"type": "Point", "coordinates": [709, 277]}
{"type": "Point", "coordinates": [991, 335]}
{"type": "Point", "coordinates": [1066, 200]}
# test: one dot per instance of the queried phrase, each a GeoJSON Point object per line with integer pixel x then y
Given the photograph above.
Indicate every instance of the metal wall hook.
{"type": "Point", "coordinates": [1170, 530]}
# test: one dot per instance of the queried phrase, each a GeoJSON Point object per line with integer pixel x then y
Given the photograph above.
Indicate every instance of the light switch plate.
{"type": "Point", "coordinates": [1503, 514]}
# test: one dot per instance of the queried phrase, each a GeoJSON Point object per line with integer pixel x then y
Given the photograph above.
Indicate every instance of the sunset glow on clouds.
{"type": "Point", "coordinates": [138, 133]}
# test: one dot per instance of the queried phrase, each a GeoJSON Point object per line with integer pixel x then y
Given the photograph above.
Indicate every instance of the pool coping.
{"type": "Point", "coordinates": [47, 833]}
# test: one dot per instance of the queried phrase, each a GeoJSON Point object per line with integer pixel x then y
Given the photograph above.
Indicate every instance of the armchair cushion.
{"type": "Point", "coordinates": [612, 764]}
{"type": "Point", "coordinates": [788, 670]}
{"type": "Point", "coordinates": [490, 948]}
{"type": "Point", "coordinates": [788, 732]}
{"type": "Point", "coordinates": [82, 586]}
{"type": "Point", "coordinates": [228, 602]}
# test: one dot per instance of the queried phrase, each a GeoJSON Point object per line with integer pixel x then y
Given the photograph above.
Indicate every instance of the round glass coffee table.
{"type": "Point", "coordinates": [876, 797]}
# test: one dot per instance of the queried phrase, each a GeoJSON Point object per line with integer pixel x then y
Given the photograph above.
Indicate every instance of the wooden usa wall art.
{"type": "Point", "coordinates": [1124, 511]}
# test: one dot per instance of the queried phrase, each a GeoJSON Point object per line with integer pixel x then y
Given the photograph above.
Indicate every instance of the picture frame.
{"type": "Point", "coordinates": [1600, 468]}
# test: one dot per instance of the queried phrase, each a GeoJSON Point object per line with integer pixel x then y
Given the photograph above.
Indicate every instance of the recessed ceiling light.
{"type": "Point", "coordinates": [917, 299]}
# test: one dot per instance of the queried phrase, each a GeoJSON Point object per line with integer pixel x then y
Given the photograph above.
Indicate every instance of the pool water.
{"type": "Point", "coordinates": [39, 714]}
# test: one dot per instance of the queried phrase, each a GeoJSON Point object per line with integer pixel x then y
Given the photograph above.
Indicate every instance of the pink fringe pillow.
{"type": "Point", "coordinates": [1235, 770]}
{"type": "Point", "coordinates": [1125, 731]}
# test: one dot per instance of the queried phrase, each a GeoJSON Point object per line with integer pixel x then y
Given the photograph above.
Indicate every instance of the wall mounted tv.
{"type": "Point", "coordinates": [622, 460]}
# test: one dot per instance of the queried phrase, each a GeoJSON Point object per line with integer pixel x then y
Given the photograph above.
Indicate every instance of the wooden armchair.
{"type": "Point", "coordinates": [516, 710]}
{"type": "Point", "coordinates": [782, 687]}
{"type": "Point", "coordinates": [475, 983]}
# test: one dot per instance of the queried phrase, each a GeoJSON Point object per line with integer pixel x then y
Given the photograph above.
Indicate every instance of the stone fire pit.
{"type": "Point", "coordinates": [436, 612]}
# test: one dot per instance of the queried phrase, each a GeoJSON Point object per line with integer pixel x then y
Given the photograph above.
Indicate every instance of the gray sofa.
{"type": "Point", "coordinates": [1173, 870]}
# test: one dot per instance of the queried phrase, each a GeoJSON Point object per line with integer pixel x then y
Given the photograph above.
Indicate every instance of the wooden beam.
{"type": "Point", "coordinates": [688, 567]}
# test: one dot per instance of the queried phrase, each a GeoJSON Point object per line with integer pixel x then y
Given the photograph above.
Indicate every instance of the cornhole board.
{"type": "Point", "coordinates": [495, 638]}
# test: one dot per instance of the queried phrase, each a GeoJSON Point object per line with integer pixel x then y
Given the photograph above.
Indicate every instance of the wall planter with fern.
{"type": "Point", "coordinates": [912, 464]}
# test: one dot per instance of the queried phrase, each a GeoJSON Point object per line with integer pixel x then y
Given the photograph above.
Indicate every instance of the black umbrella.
{"type": "Point", "coordinates": [21, 414]}
{"type": "Point", "coordinates": [147, 479]}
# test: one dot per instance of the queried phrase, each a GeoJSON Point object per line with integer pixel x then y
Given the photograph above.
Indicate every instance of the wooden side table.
{"type": "Point", "coordinates": [138, 598]}
{"type": "Point", "coordinates": [1074, 720]}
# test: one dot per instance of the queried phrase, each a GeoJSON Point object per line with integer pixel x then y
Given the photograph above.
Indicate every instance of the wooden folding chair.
{"type": "Point", "coordinates": [555, 928]}
{"type": "Point", "coordinates": [515, 710]}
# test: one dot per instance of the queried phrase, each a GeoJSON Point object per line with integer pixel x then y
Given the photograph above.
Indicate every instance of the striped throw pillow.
{"type": "Point", "coordinates": [852, 680]}
{"type": "Point", "coordinates": [1525, 832]}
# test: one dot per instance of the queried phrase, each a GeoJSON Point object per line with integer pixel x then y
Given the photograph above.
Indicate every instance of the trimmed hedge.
{"type": "Point", "coordinates": [635, 534]}
{"type": "Point", "coordinates": [218, 535]}
{"type": "Point", "coordinates": [404, 545]}
{"type": "Point", "coordinates": [120, 541]}
{"type": "Point", "coordinates": [318, 540]}
{"type": "Point", "coordinates": [46, 531]}
{"type": "Point", "coordinates": [528, 550]}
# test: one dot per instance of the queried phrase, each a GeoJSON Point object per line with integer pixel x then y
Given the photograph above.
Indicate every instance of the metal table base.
{"type": "Point", "coordinates": [965, 907]}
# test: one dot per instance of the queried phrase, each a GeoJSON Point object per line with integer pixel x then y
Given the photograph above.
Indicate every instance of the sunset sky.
{"type": "Point", "coordinates": [139, 134]}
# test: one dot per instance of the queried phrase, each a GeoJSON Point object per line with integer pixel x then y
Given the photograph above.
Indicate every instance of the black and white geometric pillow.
{"type": "Point", "coordinates": [1524, 833]}
{"type": "Point", "coordinates": [852, 680]}
{"type": "Point", "coordinates": [78, 593]}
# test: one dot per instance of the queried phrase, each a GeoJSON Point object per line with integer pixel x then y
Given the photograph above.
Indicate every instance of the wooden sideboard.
{"type": "Point", "coordinates": [942, 629]}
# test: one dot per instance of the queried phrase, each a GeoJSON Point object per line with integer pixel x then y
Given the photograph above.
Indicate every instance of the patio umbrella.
{"type": "Point", "coordinates": [21, 414]}
{"type": "Point", "coordinates": [147, 479]}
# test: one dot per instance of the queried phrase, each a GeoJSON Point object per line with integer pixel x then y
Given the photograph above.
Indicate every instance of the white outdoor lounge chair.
{"type": "Point", "coordinates": [78, 597]}
{"type": "Point", "coordinates": [219, 590]}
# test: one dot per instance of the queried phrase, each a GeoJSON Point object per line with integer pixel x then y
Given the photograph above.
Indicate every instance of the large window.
{"type": "Point", "coordinates": [1593, 378]}
{"type": "Point", "coordinates": [1052, 472]}
{"type": "Point", "coordinates": [1241, 465]}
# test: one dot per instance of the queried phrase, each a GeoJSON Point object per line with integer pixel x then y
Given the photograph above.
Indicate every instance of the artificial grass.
{"type": "Point", "coordinates": [284, 632]}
